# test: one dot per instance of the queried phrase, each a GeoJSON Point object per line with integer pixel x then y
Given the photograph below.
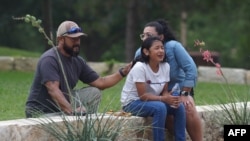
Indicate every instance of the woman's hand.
{"type": "Point", "coordinates": [188, 102]}
{"type": "Point", "coordinates": [171, 100]}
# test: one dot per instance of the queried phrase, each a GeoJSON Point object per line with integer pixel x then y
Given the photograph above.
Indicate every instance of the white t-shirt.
{"type": "Point", "coordinates": [141, 72]}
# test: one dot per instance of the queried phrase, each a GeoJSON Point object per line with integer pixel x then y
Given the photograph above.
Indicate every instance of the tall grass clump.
{"type": "Point", "coordinates": [105, 126]}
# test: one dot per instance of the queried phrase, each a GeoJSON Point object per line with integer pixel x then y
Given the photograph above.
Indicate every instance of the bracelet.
{"type": "Point", "coordinates": [121, 73]}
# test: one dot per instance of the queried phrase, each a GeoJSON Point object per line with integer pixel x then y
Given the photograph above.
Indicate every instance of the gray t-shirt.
{"type": "Point", "coordinates": [49, 69]}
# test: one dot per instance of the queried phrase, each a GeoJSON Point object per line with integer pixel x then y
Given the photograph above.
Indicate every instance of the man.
{"type": "Point", "coordinates": [58, 71]}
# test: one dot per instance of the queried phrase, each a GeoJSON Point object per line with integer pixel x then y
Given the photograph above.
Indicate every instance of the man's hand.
{"type": "Point", "coordinates": [81, 109]}
{"type": "Point", "coordinates": [127, 68]}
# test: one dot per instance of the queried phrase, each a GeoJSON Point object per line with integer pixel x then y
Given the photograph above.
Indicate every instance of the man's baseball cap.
{"type": "Point", "coordinates": [69, 29]}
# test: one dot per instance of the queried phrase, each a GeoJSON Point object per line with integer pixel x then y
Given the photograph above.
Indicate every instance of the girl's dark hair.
{"type": "Point", "coordinates": [146, 44]}
{"type": "Point", "coordinates": [162, 27]}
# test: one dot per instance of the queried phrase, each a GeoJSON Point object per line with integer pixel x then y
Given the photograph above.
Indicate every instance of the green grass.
{"type": "Point", "coordinates": [217, 93]}
{"type": "Point", "coordinates": [5, 51]}
{"type": "Point", "coordinates": [14, 89]}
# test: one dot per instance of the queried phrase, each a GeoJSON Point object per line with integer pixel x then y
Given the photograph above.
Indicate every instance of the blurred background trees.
{"type": "Point", "coordinates": [113, 27]}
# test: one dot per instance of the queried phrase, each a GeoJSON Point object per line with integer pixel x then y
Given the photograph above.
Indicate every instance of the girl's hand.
{"type": "Point", "coordinates": [172, 100]}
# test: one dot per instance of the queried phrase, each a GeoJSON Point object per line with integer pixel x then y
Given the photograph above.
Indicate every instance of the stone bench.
{"type": "Point", "coordinates": [30, 129]}
{"type": "Point", "coordinates": [34, 129]}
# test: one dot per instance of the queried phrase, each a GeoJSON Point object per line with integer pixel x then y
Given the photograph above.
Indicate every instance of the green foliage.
{"type": "Point", "coordinates": [244, 50]}
{"type": "Point", "coordinates": [35, 23]}
{"type": "Point", "coordinates": [222, 24]}
{"type": "Point", "coordinates": [6, 51]}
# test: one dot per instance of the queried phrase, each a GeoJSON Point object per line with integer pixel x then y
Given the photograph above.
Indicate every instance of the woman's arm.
{"type": "Point", "coordinates": [186, 63]}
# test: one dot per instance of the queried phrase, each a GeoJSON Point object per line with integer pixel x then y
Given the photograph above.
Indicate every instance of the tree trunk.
{"type": "Point", "coordinates": [47, 21]}
{"type": "Point", "coordinates": [130, 29]}
{"type": "Point", "coordinates": [184, 27]}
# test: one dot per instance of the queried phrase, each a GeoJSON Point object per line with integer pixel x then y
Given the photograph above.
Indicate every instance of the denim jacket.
{"type": "Point", "coordinates": [182, 67]}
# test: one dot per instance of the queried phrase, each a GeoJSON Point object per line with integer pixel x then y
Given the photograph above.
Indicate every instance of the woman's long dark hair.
{"type": "Point", "coordinates": [162, 27]}
{"type": "Point", "coordinates": [146, 44]}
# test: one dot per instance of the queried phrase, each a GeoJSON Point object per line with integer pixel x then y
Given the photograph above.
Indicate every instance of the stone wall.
{"type": "Point", "coordinates": [30, 129]}
{"type": "Point", "coordinates": [18, 63]}
{"type": "Point", "coordinates": [206, 73]}
{"type": "Point", "coordinates": [233, 75]}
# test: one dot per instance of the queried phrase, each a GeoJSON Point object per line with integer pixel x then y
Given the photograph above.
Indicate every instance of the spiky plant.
{"type": "Point", "coordinates": [93, 127]}
{"type": "Point", "coordinates": [236, 111]}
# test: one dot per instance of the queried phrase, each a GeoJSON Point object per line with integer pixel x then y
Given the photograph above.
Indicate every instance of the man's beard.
{"type": "Point", "coordinates": [72, 51]}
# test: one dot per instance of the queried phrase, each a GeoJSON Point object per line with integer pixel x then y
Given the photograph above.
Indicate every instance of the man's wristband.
{"type": "Point", "coordinates": [121, 73]}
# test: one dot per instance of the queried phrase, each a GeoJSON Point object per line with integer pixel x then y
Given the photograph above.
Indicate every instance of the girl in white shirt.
{"type": "Point", "coordinates": [145, 92]}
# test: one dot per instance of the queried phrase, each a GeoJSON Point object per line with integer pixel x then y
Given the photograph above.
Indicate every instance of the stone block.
{"type": "Point", "coordinates": [99, 67]}
{"type": "Point", "coordinates": [7, 63]}
{"type": "Point", "coordinates": [23, 130]}
{"type": "Point", "coordinates": [31, 129]}
{"type": "Point", "coordinates": [247, 77]}
{"type": "Point", "coordinates": [117, 66]}
{"type": "Point", "coordinates": [232, 75]}
{"type": "Point", "coordinates": [25, 64]}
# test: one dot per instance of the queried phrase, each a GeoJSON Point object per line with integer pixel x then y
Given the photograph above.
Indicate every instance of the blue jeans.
{"type": "Point", "coordinates": [159, 111]}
